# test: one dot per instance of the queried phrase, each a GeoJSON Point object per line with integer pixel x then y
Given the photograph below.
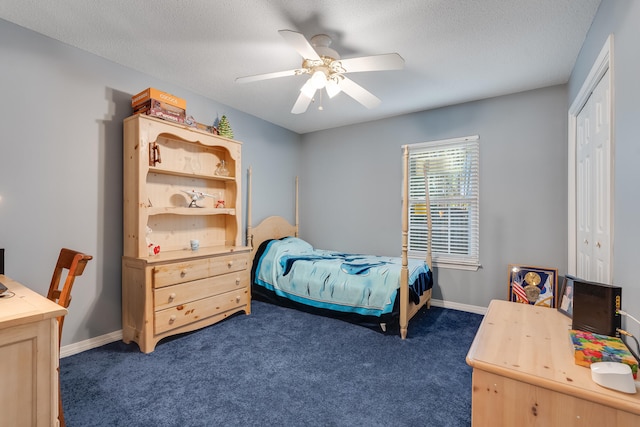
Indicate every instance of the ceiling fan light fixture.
{"type": "Point", "coordinates": [319, 79]}
{"type": "Point", "coordinates": [332, 88]}
{"type": "Point", "coordinates": [308, 89]}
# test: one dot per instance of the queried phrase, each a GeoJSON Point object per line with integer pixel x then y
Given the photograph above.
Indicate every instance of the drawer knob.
{"type": "Point", "coordinates": [237, 282]}
{"type": "Point", "coordinates": [172, 319]}
{"type": "Point", "coordinates": [172, 296]}
{"type": "Point", "coordinates": [238, 298]}
{"type": "Point", "coordinates": [230, 263]}
{"type": "Point", "coordinates": [183, 273]}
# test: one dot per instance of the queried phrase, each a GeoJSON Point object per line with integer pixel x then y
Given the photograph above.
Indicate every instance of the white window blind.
{"type": "Point", "coordinates": [452, 170]}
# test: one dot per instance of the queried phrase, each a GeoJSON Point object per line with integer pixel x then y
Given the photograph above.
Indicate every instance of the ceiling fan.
{"type": "Point", "coordinates": [327, 71]}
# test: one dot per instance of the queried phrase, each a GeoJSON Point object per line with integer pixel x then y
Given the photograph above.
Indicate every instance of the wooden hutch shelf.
{"type": "Point", "coordinates": [179, 289]}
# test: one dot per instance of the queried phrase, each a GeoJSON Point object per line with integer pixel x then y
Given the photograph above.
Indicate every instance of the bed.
{"type": "Point", "coordinates": [360, 288]}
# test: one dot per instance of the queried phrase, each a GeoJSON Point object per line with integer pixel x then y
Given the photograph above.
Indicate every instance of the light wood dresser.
{"type": "Point", "coordinates": [184, 185]}
{"type": "Point", "coordinates": [524, 374]}
{"type": "Point", "coordinates": [29, 357]}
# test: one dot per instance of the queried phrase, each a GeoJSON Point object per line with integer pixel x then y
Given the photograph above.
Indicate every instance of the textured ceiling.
{"type": "Point", "coordinates": [454, 50]}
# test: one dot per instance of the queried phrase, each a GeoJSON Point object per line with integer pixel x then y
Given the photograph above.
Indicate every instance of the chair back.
{"type": "Point", "coordinates": [73, 262]}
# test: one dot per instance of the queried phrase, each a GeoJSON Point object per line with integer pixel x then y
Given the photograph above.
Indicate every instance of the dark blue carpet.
{"type": "Point", "coordinates": [280, 367]}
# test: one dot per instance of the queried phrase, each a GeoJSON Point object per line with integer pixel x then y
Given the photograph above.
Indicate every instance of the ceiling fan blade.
{"type": "Point", "coordinates": [300, 44]}
{"type": "Point", "coordinates": [388, 61]}
{"type": "Point", "coordinates": [302, 103]}
{"type": "Point", "coordinates": [257, 77]}
{"type": "Point", "coordinates": [358, 93]}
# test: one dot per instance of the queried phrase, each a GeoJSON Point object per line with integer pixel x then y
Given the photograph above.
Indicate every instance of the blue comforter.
{"type": "Point", "coordinates": [363, 284]}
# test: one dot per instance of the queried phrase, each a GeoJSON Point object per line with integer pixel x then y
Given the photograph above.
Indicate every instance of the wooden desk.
{"type": "Point", "coordinates": [29, 358]}
{"type": "Point", "coordinates": [524, 374]}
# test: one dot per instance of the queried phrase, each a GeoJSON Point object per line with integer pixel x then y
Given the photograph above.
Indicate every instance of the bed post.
{"type": "Point", "coordinates": [297, 207]}
{"type": "Point", "coordinates": [249, 232]}
{"type": "Point", "coordinates": [404, 272]}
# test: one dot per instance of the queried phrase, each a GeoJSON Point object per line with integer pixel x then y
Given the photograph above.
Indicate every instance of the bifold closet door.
{"type": "Point", "coordinates": [594, 173]}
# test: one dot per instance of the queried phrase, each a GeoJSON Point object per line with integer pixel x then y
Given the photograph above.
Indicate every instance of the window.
{"type": "Point", "coordinates": [452, 170]}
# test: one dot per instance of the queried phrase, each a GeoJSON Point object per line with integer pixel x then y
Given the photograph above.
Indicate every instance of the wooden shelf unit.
{"type": "Point", "coordinates": [163, 161]}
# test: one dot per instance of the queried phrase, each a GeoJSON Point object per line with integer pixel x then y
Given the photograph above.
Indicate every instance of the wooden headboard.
{"type": "Point", "coordinates": [273, 227]}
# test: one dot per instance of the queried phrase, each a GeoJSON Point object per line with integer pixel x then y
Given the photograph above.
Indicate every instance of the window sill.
{"type": "Point", "coordinates": [456, 266]}
{"type": "Point", "coordinates": [451, 264]}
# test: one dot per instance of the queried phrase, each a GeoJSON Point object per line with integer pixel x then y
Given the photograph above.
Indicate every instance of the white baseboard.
{"type": "Point", "coordinates": [79, 347]}
{"type": "Point", "coordinates": [461, 307]}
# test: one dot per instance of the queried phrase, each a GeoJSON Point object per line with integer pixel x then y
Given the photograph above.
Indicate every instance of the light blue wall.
{"type": "Point", "coordinates": [622, 19]}
{"type": "Point", "coordinates": [350, 187]}
{"type": "Point", "coordinates": [61, 167]}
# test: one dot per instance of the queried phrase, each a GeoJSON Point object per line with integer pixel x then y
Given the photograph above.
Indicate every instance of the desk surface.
{"type": "Point", "coordinates": [25, 306]}
{"type": "Point", "coordinates": [531, 344]}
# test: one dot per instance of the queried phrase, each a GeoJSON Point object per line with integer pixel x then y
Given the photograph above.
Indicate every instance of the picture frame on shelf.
{"type": "Point", "coordinates": [565, 297]}
{"type": "Point", "coordinates": [533, 285]}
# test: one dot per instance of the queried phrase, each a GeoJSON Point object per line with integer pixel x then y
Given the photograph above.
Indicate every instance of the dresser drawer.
{"type": "Point", "coordinates": [180, 272]}
{"type": "Point", "coordinates": [182, 293]}
{"type": "Point", "coordinates": [229, 263]}
{"type": "Point", "coordinates": [184, 314]}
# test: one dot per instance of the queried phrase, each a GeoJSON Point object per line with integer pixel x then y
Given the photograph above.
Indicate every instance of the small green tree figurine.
{"type": "Point", "coordinates": [224, 128]}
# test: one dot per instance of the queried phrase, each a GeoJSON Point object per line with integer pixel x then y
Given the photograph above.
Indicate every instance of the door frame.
{"type": "Point", "coordinates": [603, 63]}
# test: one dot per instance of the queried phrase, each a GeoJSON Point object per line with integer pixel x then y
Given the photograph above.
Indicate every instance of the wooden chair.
{"type": "Point", "coordinates": [73, 262]}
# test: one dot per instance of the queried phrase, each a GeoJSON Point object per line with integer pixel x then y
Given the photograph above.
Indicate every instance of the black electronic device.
{"type": "Point", "coordinates": [595, 307]}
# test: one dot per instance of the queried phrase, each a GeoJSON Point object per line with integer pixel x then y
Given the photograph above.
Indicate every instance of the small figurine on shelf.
{"type": "Point", "coordinates": [196, 196]}
{"type": "Point", "coordinates": [153, 248]}
{"type": "Point", "coordinates": [222, 169]}
{"type": "Point", "coordinates": [220, 204]}
{"type": "Point", "coordinates": [190, 121]}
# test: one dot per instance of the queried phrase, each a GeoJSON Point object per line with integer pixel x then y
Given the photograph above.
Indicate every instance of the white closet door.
{"type": "Point", "coordinates": [594, 186]}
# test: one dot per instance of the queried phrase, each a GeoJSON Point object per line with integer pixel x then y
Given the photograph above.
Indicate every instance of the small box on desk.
{"type": "Point", "coordinates": [590, 348]}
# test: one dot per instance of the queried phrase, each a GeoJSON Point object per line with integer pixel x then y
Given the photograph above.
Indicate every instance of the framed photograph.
{"type": "Point", "coordinates": [533, 285]}
{"type": "Point", "coordinates": [565, 297]}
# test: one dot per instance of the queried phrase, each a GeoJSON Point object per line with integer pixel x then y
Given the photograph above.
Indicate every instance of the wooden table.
{"type": "Point", "coordinates": [29, 357]}
{"type": "Point", "coordinates": [524, 374]}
